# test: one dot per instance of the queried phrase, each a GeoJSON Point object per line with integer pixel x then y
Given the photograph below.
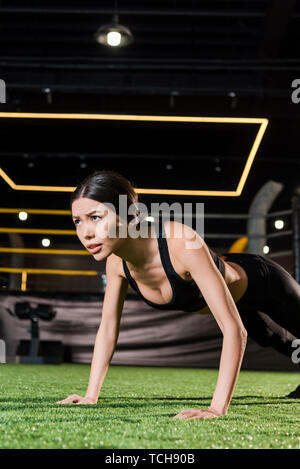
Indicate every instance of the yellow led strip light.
{"type": "Point", "coordinates": [24, 281]}
{"type": "Point", "coordinates": [119, 117]}
{"type": "Point", "coordinates": [75, 252]}
{"type": "Point", "coordinates": [24, 271]}
{"type": "Point", "coordinates": [48, 271]}
{"type": "Point", "coordinates": [36, 211]}
{"type": "Point", "coordinates": [37, 231]}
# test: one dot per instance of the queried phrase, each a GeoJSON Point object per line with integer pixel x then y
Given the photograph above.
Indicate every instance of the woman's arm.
{"type": "Point", "coordinates": [107, 335]}
{"type": "Point", "coordinates": [105, 344]}
{"type": "Point", "coordinates": [195, 256]}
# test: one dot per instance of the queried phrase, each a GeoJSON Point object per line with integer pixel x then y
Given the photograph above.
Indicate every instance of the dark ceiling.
{"type": "Point", "coordinates": [189, 58]}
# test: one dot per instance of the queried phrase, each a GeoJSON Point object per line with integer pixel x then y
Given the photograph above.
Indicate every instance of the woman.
{"type": "Point", "coordinates": [175, 269]}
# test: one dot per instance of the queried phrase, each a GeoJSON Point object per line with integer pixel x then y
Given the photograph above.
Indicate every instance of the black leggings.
{"type": "Point", "coordinates": [270, 308]}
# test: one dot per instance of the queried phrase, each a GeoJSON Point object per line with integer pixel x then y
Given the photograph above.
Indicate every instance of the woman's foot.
{"type": "Point", "coordinates": [294, 394]}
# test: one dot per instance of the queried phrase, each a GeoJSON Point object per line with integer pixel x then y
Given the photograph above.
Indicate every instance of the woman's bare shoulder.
{"type": "Point", "coordinates": [182, 236]}
{"type": "Point", "coordinates": [115, 265]}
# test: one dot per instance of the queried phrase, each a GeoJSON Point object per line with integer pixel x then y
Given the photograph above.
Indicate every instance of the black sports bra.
{"type": "Point", "coordinates": [186, 293]}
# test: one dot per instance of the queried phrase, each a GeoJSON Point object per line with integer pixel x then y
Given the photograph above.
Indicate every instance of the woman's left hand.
{"type": "Point", "coordinates": [198, 414]}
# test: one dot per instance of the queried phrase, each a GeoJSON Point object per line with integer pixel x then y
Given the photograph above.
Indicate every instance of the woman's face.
{"type": "Point", "coordinates": [96, 227]}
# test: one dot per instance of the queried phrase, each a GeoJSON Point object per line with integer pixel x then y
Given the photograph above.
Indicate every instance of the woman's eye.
{"type": "Point", "coordinates": [93, 217]}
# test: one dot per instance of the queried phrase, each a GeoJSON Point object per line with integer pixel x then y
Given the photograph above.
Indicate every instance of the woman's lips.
{"type": "Point", "coordinates": [95, 249]}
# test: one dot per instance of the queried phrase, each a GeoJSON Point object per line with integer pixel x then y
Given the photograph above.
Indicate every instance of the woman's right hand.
{"type": "Point", "coordinates": [75, 399]}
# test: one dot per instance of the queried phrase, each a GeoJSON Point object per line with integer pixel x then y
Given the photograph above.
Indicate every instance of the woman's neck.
{"type": "Point", "coordinates": [137, 252]}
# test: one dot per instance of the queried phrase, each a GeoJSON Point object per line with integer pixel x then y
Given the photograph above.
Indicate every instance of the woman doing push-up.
{"type": "Point", "coordinates": [248, 294]}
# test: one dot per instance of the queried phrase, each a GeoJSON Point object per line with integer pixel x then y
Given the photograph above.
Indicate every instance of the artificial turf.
{"type": "Point", "coordinates": [136, 406]}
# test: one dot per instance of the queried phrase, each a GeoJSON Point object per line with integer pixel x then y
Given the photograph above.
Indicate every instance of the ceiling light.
{"type": "Point", "coordinates": [114, 34]}
{"type": "Point", "coordinates": [114, 38]}
{"type": "Point", "coordinates": [23, 216]}
{"type": "Point", "coordinates": [46, 242]}
{"type": "Point", "coordinates": [279, 224]}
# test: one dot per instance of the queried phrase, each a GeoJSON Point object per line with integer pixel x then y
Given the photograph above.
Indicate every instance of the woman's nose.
{"type": "Point", "coordinates": [88, 232]}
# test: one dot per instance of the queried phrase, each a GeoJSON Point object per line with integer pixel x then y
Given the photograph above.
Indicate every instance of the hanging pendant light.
{"type": "Point", "coordinates": [114, 34]}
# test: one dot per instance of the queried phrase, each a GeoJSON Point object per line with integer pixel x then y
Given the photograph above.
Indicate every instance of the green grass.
{"type": "Point", "coordinates": [136, 407]}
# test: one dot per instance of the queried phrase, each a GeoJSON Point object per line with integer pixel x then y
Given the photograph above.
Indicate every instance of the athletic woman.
{"type": "Point", "coordinates": [247, 294]}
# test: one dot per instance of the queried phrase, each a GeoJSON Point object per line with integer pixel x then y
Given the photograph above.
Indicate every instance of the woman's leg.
{"type": "Point", "coordinates": [270, 309]}
{"type": "Point", "coordinates": [271, 304]}
{"type": "Point", "coordinates": [283, 298]}
{"type": "Point", "coordinates": [283, 307]}
{"type": "Point", "coordinates": [267, 333]}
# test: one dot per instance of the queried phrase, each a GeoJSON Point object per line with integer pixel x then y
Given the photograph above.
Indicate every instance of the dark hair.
{"type": "Point", "coordinates": [106, 186]}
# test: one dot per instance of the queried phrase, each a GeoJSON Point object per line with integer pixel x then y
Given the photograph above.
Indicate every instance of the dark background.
{"type": "Point", "coordinates": [189, 58]}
